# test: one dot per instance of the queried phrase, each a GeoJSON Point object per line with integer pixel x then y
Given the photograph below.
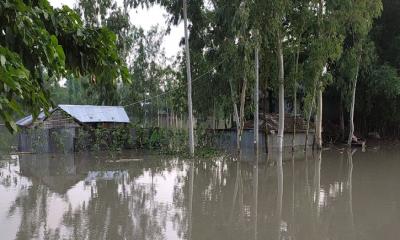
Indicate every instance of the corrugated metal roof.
{"type": "Point", "coordinates": [92, 114]}
{"type": "Point", "coordinates": [26, 121]}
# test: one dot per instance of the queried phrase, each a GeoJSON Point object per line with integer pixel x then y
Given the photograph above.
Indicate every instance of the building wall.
{"type": "Point", "coordinates": [59, 119]}
{"type": "Point", "coordinates": [227, 140]}
{"type": "Point", "coordinates": [33, 140]}
{"type": "Point", "coordinates": [62, 140]}
{"type": "Point", "coordinates": [24, 141]}
{"type": "Point", "coordinates": [41, 140]}
{"type": "Point", "coordinates": [299, 140]}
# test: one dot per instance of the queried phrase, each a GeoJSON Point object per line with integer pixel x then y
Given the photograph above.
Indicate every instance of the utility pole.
{"type": "Point", "coordinates": [189, 83]}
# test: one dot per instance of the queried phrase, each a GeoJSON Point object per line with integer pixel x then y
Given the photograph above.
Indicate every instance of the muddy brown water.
{"type": "Point", "coordinates": [328, 195]}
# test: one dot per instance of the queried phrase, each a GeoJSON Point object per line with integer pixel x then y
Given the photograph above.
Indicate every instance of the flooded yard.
{"type": "Point", "coordinates": [328, 195]}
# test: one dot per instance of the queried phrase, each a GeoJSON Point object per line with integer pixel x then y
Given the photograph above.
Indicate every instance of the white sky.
{"type": "Point", "coordinates": [146, 18]}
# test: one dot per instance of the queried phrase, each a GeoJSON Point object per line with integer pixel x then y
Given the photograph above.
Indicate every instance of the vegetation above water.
{"type": "Point", "coordinates": [103, 139]}
{"type": "Point", "coordinates": [162, 140]}
{"type": "Point", "coordinates": [333, 61]}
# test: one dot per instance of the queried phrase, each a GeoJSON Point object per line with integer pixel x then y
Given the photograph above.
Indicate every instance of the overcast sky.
{"type": "Point", "coordinates": [146, 18]}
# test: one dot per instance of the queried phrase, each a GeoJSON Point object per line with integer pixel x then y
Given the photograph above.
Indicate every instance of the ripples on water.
{"type": "Point", "coordinates": [331, 195]}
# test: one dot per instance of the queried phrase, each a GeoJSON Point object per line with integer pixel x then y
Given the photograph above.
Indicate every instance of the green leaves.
{"type": "Point", "coordinates": [16, 84]}
{"type": "Point", "coordinates": [34, 40]}
{"type": "Point", "coordinates": [385, 81]}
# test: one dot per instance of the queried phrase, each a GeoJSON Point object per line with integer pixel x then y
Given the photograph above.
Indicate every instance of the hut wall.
{"type": "Point", "coordinates": [61, 140]}
{"type": "Point", "coordinates": [24, 141]}
{"type": "Point", "coordinates": [41, 140]}
{"type": "Point", "coordinates": [226, 139]}
{"type": "Point", "coordinates": [299, 140]}
{"type": "Point", "coordinates": [59, 119]}
{"type": "Point", "coordinates": [34, 140]}
{"type": "Point", "coordinates": [55, 134]}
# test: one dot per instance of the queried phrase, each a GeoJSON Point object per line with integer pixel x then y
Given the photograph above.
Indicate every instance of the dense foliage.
{"type": "Point", "coordinates": [39, 45]}
{"type": "Point", "coordinates": [332, 53]}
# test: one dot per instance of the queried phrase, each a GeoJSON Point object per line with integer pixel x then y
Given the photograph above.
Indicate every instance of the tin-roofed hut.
{"type": "Point", "coordinates": [60, 130]}
{"type": "Point", "coordinates": [268, 127]}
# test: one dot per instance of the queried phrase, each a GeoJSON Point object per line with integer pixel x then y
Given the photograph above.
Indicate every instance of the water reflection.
{"type": "Point", "coordinates": [320, 195]}
{"type": "Point", "coordinates": [190, 208]}
{"type": "Point", "coordinates": [281, 226]}
{"type": "Point", "coordinates": [350, 189]}
{"type": "Point", "coordinates": [255, 194]}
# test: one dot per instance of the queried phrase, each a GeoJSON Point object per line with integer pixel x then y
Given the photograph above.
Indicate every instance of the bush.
{"type": "Point", "coordinates": [108, 139]}
{"type": "Point", "coordinates": [167, 140]}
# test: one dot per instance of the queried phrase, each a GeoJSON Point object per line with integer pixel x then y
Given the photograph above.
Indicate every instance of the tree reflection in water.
{"type": "Point", "coordinates": [86, 197]}
{"type": "Point", "coordinates": [279, 198]}
{"type": "Point", "coordinates": [121, 203]}
{"type": "Point", "coordinates": [350, 154]}
{"type": "Point", "coordinates": [255, 192]}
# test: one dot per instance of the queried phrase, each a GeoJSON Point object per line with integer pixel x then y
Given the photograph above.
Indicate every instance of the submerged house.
{"type": "Point", "coordinates": [270, 123]}
{"type": "Point", "coordinates": [60, 129]}
{"type": "Point", "coordinates": [268, 130]}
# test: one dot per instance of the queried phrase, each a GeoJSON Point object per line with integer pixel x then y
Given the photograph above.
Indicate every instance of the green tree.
{"type": "Point", "coordinates": [39, 45]}
{"type": "Point", "coordinates": [326, 39]}
{"type": "Point", "coordinates": [359, 25]}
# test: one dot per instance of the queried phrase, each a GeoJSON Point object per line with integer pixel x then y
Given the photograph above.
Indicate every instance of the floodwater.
{"type": "Point", "coordinates": [328, 195]}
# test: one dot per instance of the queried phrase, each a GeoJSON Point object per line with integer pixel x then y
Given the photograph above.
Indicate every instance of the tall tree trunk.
{"type": "Point", "coordinates": [308, 126]}
{"type": "Point", "coordinates": [167, 118]}
{"type": "Point", "coordinates": [353, 101]}
{"type": "Point", "coordinates": [235, 116]}
{"type": "Point", "coordinates": [281, 124]}
{"type": "Point", "coordinates": [242, 102]}
{"type": "Point", "coordinates": [171, 119]}
{"type": "Point", "coordinates": [176, 121]}
{"type": "Point", "coordinates": [181, 126]}
{"type": "Point", "coordinates": [265, 115]}
{"type": "Point", "coordinates": [318, 120]}
{"type": "Point", "coordinates": [309, 115]}
{"type": "Point", "coordinates": [295, 95]}
{"type": "Point", "coordinates": [256, 100]}
{"type": "Point", "coordinates": [189, 77]}
{"type": "Point", "coordinates": [239, 115]}
{"type": "Point", "coordinates": [214, 125]}
{"type": "Point", "coordinates": [158, 116]}
{"type": "Point", "coordinates": [342, 131]}
{"type": "Point", "coordinates": [145, 111]}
